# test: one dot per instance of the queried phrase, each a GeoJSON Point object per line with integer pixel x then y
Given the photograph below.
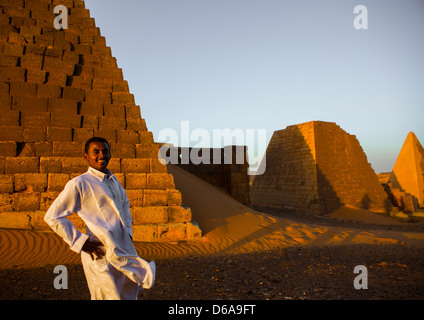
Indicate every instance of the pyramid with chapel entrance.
{"type": "Point", "coordinates": [58, 88]}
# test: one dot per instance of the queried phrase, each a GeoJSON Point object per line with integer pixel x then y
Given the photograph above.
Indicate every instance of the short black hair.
{"type": "Point", "coordinates": [95, 139]}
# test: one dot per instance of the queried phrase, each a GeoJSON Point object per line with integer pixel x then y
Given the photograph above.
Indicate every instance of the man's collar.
{"type": "Point", "coordinates": [100, 175]}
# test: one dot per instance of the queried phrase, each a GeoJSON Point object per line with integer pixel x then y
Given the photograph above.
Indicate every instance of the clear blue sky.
{"type": "Point", "coordinates": [267, 64]}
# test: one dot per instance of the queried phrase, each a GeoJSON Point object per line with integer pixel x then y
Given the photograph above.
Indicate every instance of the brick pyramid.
{"type": "Point", "coordinates": [57, 89]}
{"type": "Point", "coordinates": [315, 168]}
{"type": "Point", "coordinates": [408, 171]}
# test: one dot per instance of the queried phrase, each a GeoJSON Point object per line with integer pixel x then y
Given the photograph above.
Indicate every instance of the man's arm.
{"type": "Point", "coordinates": [126, 214]}
{"type": "Point", "coordinates": [66, 203]}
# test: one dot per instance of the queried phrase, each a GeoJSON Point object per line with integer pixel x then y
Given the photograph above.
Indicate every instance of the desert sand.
{"type": "Point", "coordinates": [228, 228]}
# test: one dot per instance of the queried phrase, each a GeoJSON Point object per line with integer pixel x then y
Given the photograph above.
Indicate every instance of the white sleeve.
{"type": "Point", "coordinates": [68, 202]}
{"type": "Point", "coordinates": [127, 219]}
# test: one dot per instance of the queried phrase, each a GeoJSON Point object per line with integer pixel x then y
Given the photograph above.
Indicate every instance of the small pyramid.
{"type": "Point", "coordinates": [58, 88]}
{"type": "Point", "coordinates": [408, 171]}
{"type": "Point", "coordinates": [316, 167]}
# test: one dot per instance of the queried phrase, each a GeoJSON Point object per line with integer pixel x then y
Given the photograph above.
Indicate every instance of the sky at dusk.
{"type": "Point", "coordinates": [262, 65]}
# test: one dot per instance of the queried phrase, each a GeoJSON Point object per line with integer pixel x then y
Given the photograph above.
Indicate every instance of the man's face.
{"type": "Point", "coordinates": [98, 156]}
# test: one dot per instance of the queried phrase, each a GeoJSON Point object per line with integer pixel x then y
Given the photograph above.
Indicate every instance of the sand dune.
{"type": "Point", "coordinates": [227, 225]}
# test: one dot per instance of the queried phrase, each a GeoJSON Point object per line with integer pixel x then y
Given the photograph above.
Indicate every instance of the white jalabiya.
{"type": "Point", "coordinates": [102, 203]}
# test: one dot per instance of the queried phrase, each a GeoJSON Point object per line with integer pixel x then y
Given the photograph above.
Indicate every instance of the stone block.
{"type": "Point", "coordinates": [26, 201]}
{"type": "Point", "coordinates": [32, 61]}
{"type": "Point", "coordinates": [127, 136]}
{"type": "Point", "coordinates": [135, 166]}
{"type": "Point", "coordinates": [13, 49]}
{"type": "Point", "coordinates": [2, 164]}
{"type": "Point", "coordinates": [136, 124]}
{"type": "Point", "coordinates": [6, 202]}
{"type": "Point", "coordinates": [56, 78]}
{"type": "Point", "coordinates": [113, 110]}
{"type": "Point", "coordinates": [179, 214]}
{"type": "Point", "coordinates": [135, 197]}
{"type": "Point", "coordinates": [123, 98]}
{"type": "Point", "coordinates": [91, 108]}
{"type": "Point", "coordinates": [59, 134]}
{"type": "Point", "coordinates": [7, 149]}
{"type": "Point", "coordinates": [37, 220]}
{"type": "Point", "coordinates": [146, 137]}
{"type": "Point", "coordinates": [102, 84]}
{"type": "Point", "coordinates": [6, 183]}
{"type": "Point", "coordinates": [11, 133]}
{"type": "Point", "coordinates": [55, 65]}
{"type": "Point", "coordinates": [15, 220]}
{"type": "Point", "coordinates": [80, 82]}
{"type": "Point", "coordinates": [112, 123]}
{"type": "Point", "coordinates": [121, 178]}
{"type": "Point", "coordinates": [57, 181]}
{"type": "Point", "coordinates": [30, 182]}
{"type": "Point", "coordinates": [82, 134]}
{"type": "Point", "coordinates": [193, 231]}
{"type": "Point", "coordinates": [23, 88]}
{"type": "Point", "coordinates": [50, 165]}
{"type": "Point", "coordinates": [4, 89]}
{"type": "Point", "coordinates": [21, 165]}
{"type": "Point", "coordinates": [7, 61]}
{"type": "Point", "coordinates": [74, 165]}
{"type": "Point", "coordinates": [155, 198]}
{"type": "Point", "coordinates": [68, 149]}
{"type": "Point", "coordinates": [102, 96]}
{"type": "Point", "coordinates": [49, 91]}
{"type": "Point", "coordinates": [35, 119]}
{"type": "Point", "coordinates": [108, 134]}
{"type": "Point", "coordinates": [47, 199]}
{"type": "Point", "coordinates": [174, 197]}
{"type": "Point", "coordinates": [12, 74]}
{"type": "Point", "coordinates": [115, 165]}
{"type": "Point", "coordinates": [135, 181]}
{"type": "Point", "coordinates": [43, 149]}
{"type": "Point", "coordinates": [90, 122]}
{"type": "Point", "coordinates": [6, 105]}
{"type": "Point", "coordinates": [120, 86]}
{"type": "Point", "coordinates": [146, 151]}
{"type": "Point", "coordinates": [172, 232]}
{"type": "Point", "coordinates": [149, 215]}
{"type": "Point", "coordinates": [132, 112]}
{"type": "Point", "coordinates": [122, 150]}
{"type": "Point", "coordinates": [73, 94]}
{"type": "Point", "coordinates": [65, 120]}
{"type": "Point", "coordinates": [157, 167]}
{"type": "Point", "coordinates": [38, 76]}
{"type": "Point", "coordinates": [160, 181]}
{"type": "Point", "coordinates": [29, 103]}
{"type": "Point", "coordinates": [59, 106]}
{"type": "Point", "coordinates": [145, 233]}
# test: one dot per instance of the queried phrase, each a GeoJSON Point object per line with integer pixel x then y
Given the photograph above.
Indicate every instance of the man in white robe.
{"type": "Point", "coordinates": [111, 264]}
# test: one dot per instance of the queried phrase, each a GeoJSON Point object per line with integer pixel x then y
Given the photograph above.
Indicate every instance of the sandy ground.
{"type": "Point", "coordinates": [245, 253]}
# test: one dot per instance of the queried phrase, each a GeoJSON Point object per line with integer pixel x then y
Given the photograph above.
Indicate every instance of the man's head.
{"type": "Point", "coordinates": [97, 153]}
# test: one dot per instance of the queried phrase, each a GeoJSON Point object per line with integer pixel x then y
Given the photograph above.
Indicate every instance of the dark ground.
{"type": "Point", "coordinates": [395, 272]}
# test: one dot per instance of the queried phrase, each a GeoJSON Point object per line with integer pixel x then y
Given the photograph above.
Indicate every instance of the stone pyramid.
{"type": "Point", "coordinates": [408, 171]}
{"type": "Point", "coordinates": [316, 167]}
{"type": "Point", "coordinates": [57, 89]}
